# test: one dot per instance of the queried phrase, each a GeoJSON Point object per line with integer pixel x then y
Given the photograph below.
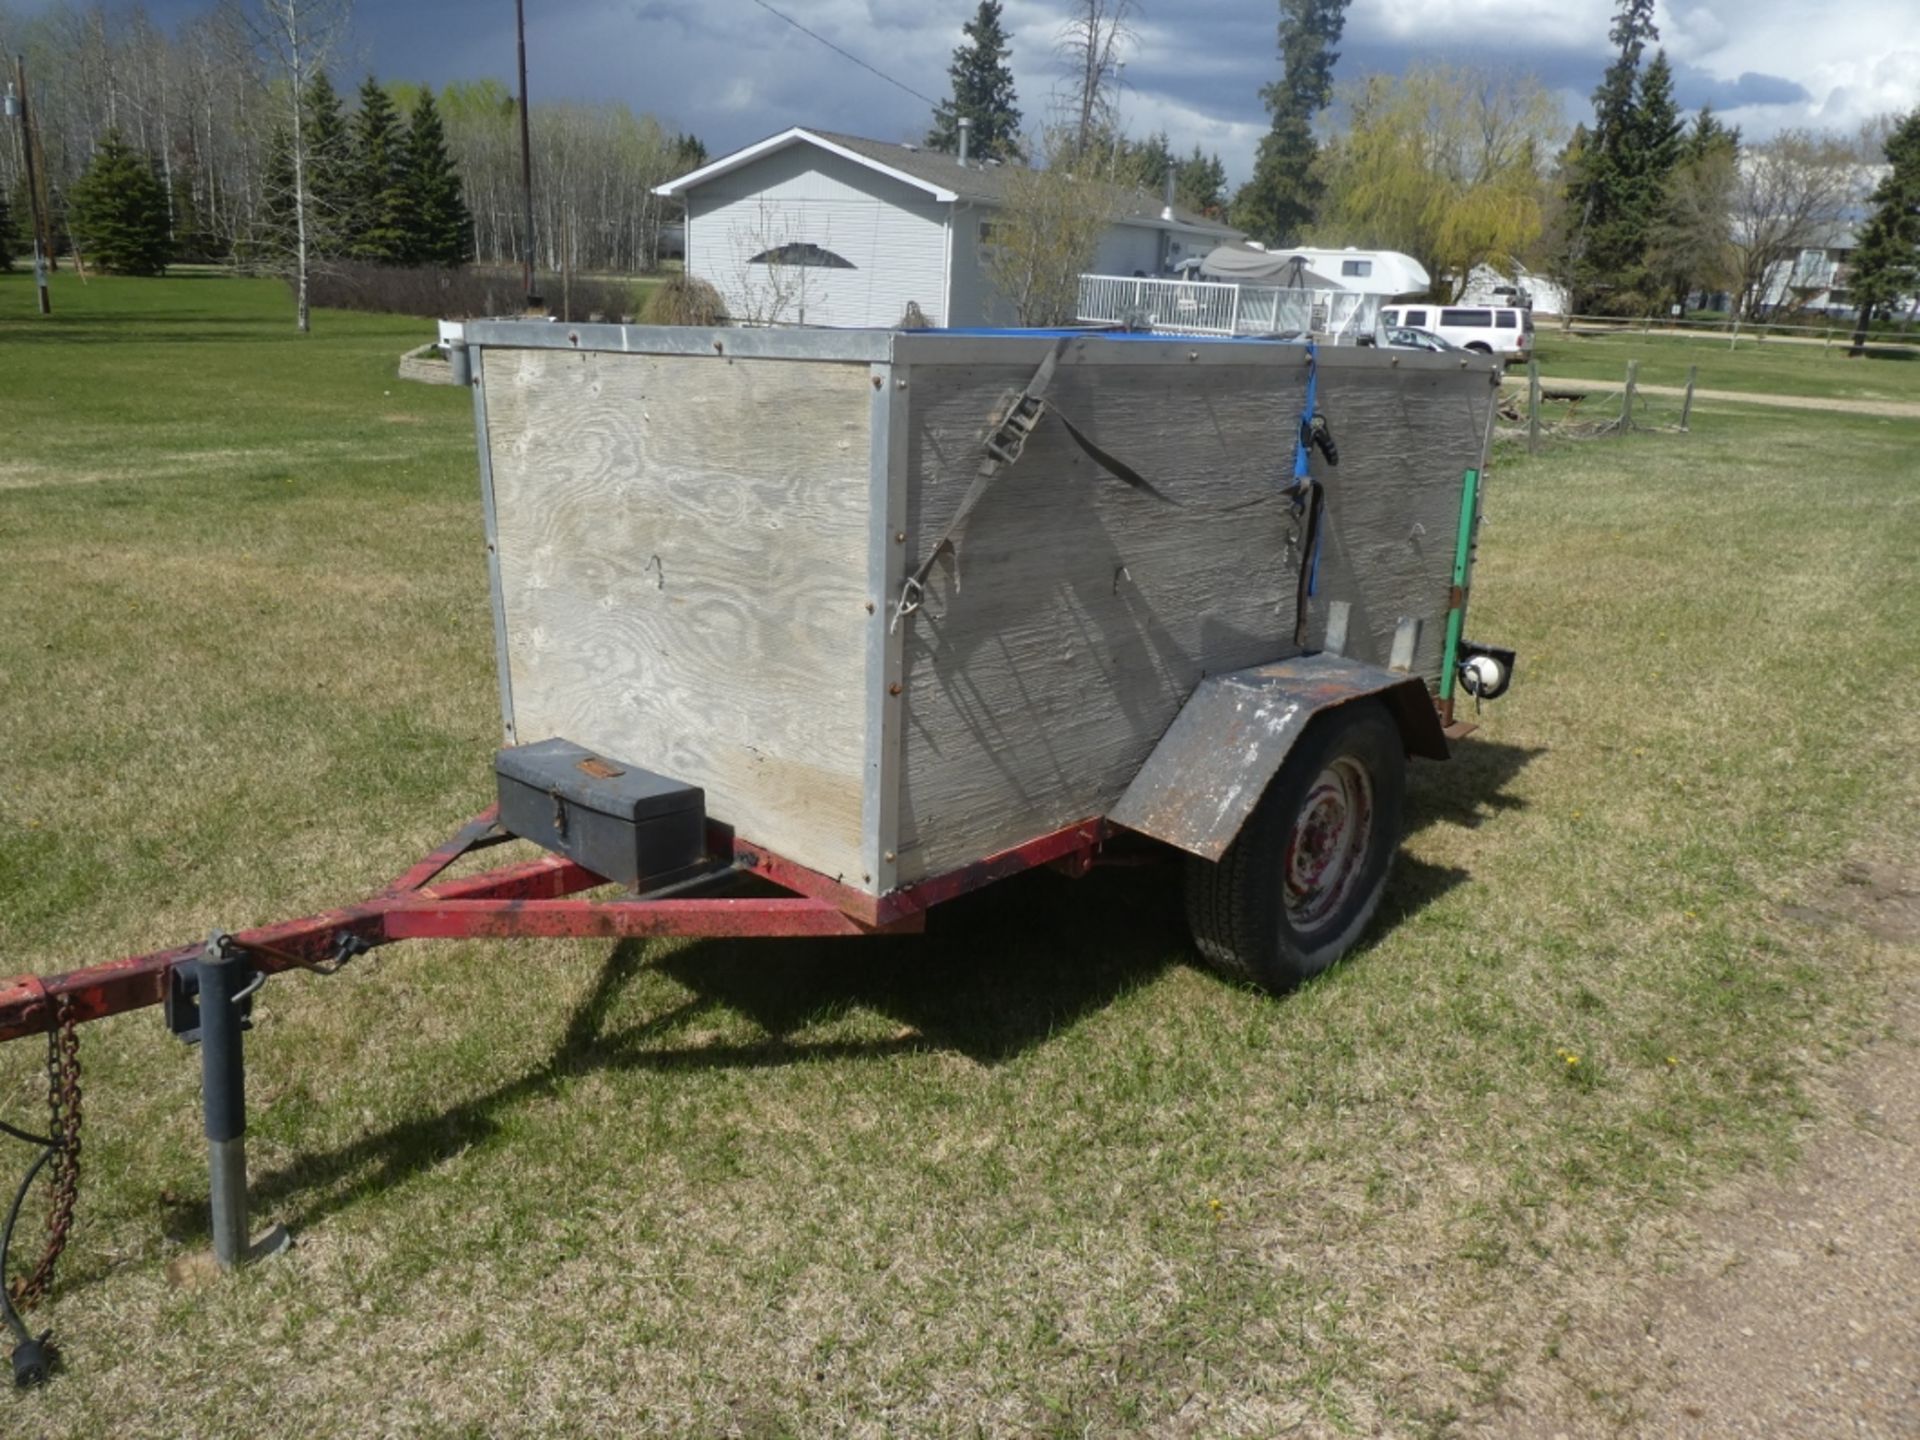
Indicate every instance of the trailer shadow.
{"type": "Point", "coordinates": [997, 972]}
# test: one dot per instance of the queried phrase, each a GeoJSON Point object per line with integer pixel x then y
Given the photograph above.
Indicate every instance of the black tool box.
{"type": "Point", "coordinates": [618, 820]}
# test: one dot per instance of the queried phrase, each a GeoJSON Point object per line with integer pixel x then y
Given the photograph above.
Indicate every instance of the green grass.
{"type": "Point", "coordinates": [1031, 1174]}
{"type": "Point", "coordinates": [1773, 367]}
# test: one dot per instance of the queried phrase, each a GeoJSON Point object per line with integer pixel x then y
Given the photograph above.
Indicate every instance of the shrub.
{"type": "Point", "coordinates": [684, 300]}
{"type": "Point", "coordinates": [462, 293]}
{"type": "Point", "coordinates": [118, 211]}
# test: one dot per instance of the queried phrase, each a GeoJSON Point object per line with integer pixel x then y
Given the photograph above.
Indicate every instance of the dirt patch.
{"type": "Point", "coordinates": [1796, 1310]}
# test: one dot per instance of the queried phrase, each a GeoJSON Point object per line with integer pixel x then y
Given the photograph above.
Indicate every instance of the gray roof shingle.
{"type": "Point", "coordinates": [987, 182]}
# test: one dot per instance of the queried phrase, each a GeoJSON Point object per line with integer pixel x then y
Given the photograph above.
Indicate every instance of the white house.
{"type": "Point", "coordinates": [814, 228]}
{"type": "Point", "coordinates": [1488, 286]}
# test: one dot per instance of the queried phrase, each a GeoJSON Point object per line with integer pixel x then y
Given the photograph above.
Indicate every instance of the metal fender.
{"type": "Point", "coordinates": [1231, 737]}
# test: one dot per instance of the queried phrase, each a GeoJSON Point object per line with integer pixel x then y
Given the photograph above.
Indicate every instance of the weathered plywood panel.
{"type": "Point", "coordinates": [1085, 612]}
{"type": "Point", "coordinates": [683, 570]}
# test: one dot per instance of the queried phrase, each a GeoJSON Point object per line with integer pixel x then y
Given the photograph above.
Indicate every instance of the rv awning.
{"type": "Point", "coordinates": [1270, 267]}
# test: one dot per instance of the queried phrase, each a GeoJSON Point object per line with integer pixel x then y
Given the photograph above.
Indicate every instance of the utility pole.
{"type": "Point", "coordinates": [526, 152]}
{"type": "Point", "coordinates": [42, 241]}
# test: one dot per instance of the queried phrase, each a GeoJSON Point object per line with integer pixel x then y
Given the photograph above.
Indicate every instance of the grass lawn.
{"type": "Point", "coordinates": [1772, 367]}
{"type": "Point", "coordinates": [1032, 1174]}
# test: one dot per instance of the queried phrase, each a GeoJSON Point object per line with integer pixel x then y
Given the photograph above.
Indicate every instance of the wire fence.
{"type": "Point", "coordinates": [1534, 413]}
{"type": "Point", "coordinates": [1737, 332]}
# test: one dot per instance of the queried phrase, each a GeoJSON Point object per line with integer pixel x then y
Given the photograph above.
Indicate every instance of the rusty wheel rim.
{"type": "Point", "coordinates": [1327, 847]}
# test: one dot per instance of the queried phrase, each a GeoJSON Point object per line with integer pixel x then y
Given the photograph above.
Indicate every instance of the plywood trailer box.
{"type": "Point", "coordinates": [701, 543]}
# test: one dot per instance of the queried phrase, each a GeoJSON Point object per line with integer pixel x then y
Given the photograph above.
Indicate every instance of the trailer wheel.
{"type": "Point", "coordinates": [1300, 883]}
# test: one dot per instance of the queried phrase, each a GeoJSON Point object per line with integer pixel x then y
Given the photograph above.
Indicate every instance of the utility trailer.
{"type": "Point", "coordinates": [804, 632]}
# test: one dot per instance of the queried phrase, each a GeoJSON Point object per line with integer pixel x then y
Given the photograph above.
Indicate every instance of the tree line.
{"type": "Point", "coordinates": [1641, 208]}
{"type": "Point", "coordinates": [1086, 135]}
{"type": "Point", "coordinates": [206, 108]}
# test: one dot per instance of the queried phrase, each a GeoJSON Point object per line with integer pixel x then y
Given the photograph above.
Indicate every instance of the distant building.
{"type": "Point", "coordinates": [810, 227]}
{"type": "Point", "coordinates": [1524, 287]}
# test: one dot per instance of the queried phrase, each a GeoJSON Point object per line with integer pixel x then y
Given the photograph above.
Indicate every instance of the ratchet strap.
{"type": "Point", "coordinates": [1008, 438]}
{"type": "Point", "coordinates": [1004, 443]}
{"type": "Point", "coordinates": [1003, 446]}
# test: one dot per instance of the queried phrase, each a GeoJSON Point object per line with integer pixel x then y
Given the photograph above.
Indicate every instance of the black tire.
{"type": "Point", "coordinates": [1247, 919]}
{"type": "Point", "coordinates": [1478, 348]}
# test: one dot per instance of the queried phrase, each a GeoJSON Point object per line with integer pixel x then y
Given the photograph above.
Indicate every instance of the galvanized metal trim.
{"type": "Point", "coordinates": [862, 346]}
{"type": "Point", "coordinates": [933, 347]}
{"type": "Point", "coordinates": [886, 642]}
{"type": "Point", "coordinates": [492, 523]}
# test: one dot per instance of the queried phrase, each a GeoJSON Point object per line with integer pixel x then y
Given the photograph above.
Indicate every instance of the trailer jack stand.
{"type": "Point", "coordinates": [226, 984]}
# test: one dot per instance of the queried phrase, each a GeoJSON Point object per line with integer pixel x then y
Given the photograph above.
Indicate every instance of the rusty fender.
{"type": "Point", "coordinates": [1211, 767]}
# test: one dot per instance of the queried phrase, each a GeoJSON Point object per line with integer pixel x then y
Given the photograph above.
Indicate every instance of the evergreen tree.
{"type": "Point", "coordinates": [9, 242]}
{"type": "Point", "coordinates": [442, 226]}
{"type": "Point", "coordinates": [330, 193]}
{"type": "Point", "coordinates": [1280, 198]}
{"type": "Point", "coordinates": [1707, 136]}
{"type": "Point", "coordinates": [1609, 205]}
{"type": "Point", "coordinates": [117, 211]}
{"type": "Point", "coordinates": [689, 153]}
{"type": "Point", "coordinates": [1886, 262]}
{"type": "Point", "coordinates": [1201, 185]}
{"type": "Point", "coordinates": [982, 92]}
{"type": "Point", "coordinates": [1146, 162]}
{"type": "Point", "coordinates": [271, 237]}
{"type": "Point", "coordinates": [381, 227]}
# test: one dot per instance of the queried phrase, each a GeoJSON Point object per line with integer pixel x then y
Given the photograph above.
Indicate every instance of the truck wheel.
{"type": "Point", "coordinates": [1299, 884]}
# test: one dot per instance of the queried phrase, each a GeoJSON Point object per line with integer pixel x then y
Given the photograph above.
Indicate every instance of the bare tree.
{"type": "Point", "coordinates": [1789, 194]}
{"type": "Point", "coordinates": [296, 38]}
{"type": "Point", "coordinates": [773, 270]}
{"type": "Point", "coordinates": [1046, 233]}
{"type": "Point", "coordinates": [1089, 47]}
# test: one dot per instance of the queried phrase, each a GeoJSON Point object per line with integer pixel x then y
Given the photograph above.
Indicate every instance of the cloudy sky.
{"type": "Point", "coordinates": [731, 72]}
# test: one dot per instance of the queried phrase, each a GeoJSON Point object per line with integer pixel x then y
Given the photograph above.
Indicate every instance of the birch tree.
{"type": "Point", "coordinates": [296, 38]}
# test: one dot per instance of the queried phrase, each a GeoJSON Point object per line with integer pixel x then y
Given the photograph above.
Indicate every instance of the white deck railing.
{"type": "Point", "coordinates": [1203, 307]}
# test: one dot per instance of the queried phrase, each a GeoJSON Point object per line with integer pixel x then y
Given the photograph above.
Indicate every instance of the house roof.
{"type": "Point", "coordinates": [939, 174]}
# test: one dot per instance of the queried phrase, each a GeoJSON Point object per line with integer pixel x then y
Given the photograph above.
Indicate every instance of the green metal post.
{"type": "Point", "coordinates": [1457, 608]}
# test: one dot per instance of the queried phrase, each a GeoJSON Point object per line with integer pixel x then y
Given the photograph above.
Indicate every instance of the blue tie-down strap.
{"type": "Point", "coordinates": [1302, 436]}
{"type": "Point", "coordinates": [1308, 494]}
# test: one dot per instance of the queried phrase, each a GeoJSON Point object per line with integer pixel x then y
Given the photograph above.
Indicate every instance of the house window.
{"type": "Point", "coordinates": [1356, 267]}
{"type": "Point", "coordinates": [802, 252]}
{"type": "Point", "coordinates": [988, 230]}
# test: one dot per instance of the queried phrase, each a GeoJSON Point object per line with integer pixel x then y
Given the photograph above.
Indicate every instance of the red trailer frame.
{"type": "Point", "coordinates": [544, 897]}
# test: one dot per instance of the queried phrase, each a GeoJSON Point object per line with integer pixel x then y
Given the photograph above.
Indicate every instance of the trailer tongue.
{"type": "Point", "coordinates": [1181, 631]}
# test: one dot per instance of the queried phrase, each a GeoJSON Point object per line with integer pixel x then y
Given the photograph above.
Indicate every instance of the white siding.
{"type": "Point", "coordinates": [893, 235]}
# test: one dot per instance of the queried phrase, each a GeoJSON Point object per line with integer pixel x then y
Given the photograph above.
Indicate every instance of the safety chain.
{"type": "Point", "coordinates": [63, 1106]}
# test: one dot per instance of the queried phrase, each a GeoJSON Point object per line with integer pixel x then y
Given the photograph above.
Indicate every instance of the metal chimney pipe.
{"type": "Point", "coordinates": [1166, 196]}
{"type": "Point", "coordinates": [966, 137]}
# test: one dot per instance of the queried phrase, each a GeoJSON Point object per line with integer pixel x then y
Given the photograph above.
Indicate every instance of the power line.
{"type": "Point", "coordinates": [845, 55]}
